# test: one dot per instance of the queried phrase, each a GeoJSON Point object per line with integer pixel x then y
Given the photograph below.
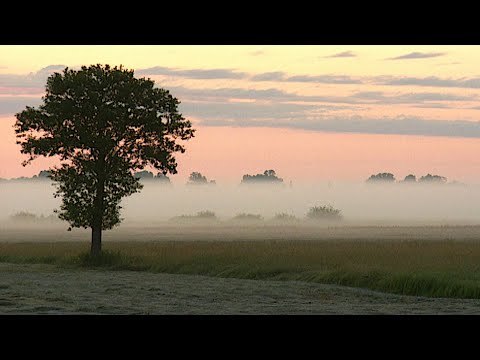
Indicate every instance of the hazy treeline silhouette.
{"type": "Point", "coordinates": [268, 176]}
{"type": "Point", "coordinates": [42, 175]}
{"type": "Point", "coordinates": [390, 178]}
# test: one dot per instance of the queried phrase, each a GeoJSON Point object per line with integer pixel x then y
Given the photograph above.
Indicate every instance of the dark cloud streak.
{"type": "Point", "coordinates": [417, 55]}
{"type": "Point", "coordinates": [344, 54]}
{"type": "Point", "coordinates": [193, 73]}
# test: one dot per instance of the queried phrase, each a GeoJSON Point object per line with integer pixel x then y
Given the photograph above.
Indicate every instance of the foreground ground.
{"type": "Point", "coordinates": [48, 289]}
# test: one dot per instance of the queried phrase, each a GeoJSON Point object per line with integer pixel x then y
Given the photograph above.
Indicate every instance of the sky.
{"type": "Point", "coordinates": [317, 113]}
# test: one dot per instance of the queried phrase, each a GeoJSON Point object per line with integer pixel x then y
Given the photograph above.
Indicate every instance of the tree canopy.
{"type": "Point", "coordinates": [103, 124]}
{"type": "Point", "coordinates": [410, 178]}
{"type": "Point", "coordinates": [197, 178]}
{"type": "Point", "coordinates": [268, 176]}
{"type": "Point", "coordinates": [433, 179]}
{"type": "Point", "coordinates": [382, 177]}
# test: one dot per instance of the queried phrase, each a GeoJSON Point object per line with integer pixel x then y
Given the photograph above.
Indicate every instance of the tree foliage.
{"type": "Point", "coordinates": [325, 212]}
{"type": "Point", "coordinates": [382, 177]}
{"type": "Point", "coordinates": [433, 179]}
{"type": "Point", "coordinates": [103, 124]}
{"type": "Point", "coordinates": [410, 178]}
{"type": "Point", "coordinates": [197, 178]}
{"type": "Point", "coordinates": [268, 176]}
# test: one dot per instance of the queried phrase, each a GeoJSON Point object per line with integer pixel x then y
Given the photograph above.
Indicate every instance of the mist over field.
{"type": "Point", "coordinates": [360, 203]}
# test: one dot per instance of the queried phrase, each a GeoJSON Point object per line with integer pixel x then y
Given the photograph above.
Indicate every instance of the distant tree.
{"type": "Point", "coordinates": [326, 212]}
{"type": "Point", "coordinates": [247, 217]}
{"type": "Point", "coordinates": [162, 178]}
{"type": "Point", "coordinates": [268, 176]}
{"type": "Point", "coordinates": [410, 178]}
{"type": "Point", "coordinates": [197, 178]}
{"type": "Point", "coordinates": [45, 174]}
{"type": "Point", "coordinates": [143, 175]}
{"type": "Point", "coordinates": [382, 177]}
{"type": "Point", "coordinates": [105, 124]}
{"type": "Point", "coordinates": [433, 179]}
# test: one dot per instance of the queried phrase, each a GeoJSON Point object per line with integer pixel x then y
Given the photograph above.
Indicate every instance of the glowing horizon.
{"type": "Point", "coordinates": [309, 112]}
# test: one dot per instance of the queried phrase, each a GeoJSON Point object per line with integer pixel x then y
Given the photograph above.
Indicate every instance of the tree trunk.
{"type": "Point", "coordinates": [96, 247]}
{"type": "Point", "coordinates": [97, 224]}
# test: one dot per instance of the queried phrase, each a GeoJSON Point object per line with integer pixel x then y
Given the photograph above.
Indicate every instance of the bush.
{"type": "Point", "coordinates": [285, 218]}
{"type": "Point", "coordinates": [248, 217]}
{"type": "Point", "coordinates": [24, 216]}
{"type": "Point", "coordinates": [206, 215]}
{"type": "Point", "coordinates": [200, 216]}
{"type": "Point", "coordinates": [326, 212]}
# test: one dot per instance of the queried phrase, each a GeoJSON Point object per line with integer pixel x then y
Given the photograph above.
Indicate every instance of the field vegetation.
{"type": "Point", "coordinates": [420, 268]}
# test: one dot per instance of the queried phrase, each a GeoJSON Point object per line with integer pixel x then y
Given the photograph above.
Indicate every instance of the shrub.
{"type": "Point", "coordinates": [200, 216]}
{"type": "Point", "coordinates": [284, 217]}
{"type": "Point", "coordinates": [24, 216]}
{"type": "Point", "coordinates": [326, 212]}
{"type": "Point", "coordinates": [207, 214]}
{"type": "Point", "coordinates": [248, 217]}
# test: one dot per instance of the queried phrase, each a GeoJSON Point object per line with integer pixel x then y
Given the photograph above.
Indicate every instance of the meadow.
{"type": "Point", "coordinates": [438, 267]}
{"type": "Point", "coordinates": [417, 241]}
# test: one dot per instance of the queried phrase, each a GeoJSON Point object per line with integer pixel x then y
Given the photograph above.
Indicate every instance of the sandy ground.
{"type": "Point", "coordinates": [44, 289]}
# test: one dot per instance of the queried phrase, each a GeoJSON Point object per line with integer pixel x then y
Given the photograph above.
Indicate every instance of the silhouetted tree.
{"type": "Point", "coordinates": [44, 174]}
{"type": "Point", "coordinates": [326, 212]}
{"type": "Point", "coordinates": [163, 178]}
{"type": "Point", "coordinates": [433, 179]}
{"type": "Point", "coordinates": [382, 177]}
{"type": "Point", "coordinates": [410, 178]}
{"type": "Point", "coordinates": [144, 175]}
{"type": "Point", "coordinates": [268, 176]}
{"type": "Point", "coordinates": [197, 178]}
{"type": "Point", "coordinates": [105, 124]}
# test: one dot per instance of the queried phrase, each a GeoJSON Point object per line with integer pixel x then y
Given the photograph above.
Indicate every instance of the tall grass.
{"type": "Point", "coordinates": [421, 268]}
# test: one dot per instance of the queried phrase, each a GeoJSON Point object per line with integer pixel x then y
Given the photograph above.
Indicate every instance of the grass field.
{"type": "Point", "coordinates": [442, 268]}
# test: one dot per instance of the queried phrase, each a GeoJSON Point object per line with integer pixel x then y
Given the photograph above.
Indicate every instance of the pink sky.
{"type": "Point", "coordinates": [226, 154]}
{"type": "Point", "coordinates": [361, 94]}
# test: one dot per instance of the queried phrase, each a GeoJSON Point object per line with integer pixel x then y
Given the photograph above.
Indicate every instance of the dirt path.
{"type": "Point", "coordinates": [43, 289]}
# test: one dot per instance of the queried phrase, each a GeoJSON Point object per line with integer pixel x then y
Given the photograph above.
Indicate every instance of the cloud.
{"type": "Point", "coordinates": [269, 76]}
{"type": "Point", "coordinates": [360, 98]}
{"type": "Point", "coordinates": [225, 94]}
{"type": "Point", "coordinates": [431, 81]}
{"type": "Point", "coordinates": [326, 79]}
{"type": "Point", "coordinates": [357, 124]}
{"type": "Point", "coordinates": [411, 97]}
{"type": "Point", "coordinates": [32, 80]}
{"type": "Point", "coordinates": [238, 113]}
{"type": "Point", "coordinates": [417, 55]}
{"type": "Point", "coordinates": [432, 106]}
{"type": "Point", "coordinates": [343, 54]}
{"type": "Point", "coordinates": [257, 53]}
{"type": "Point", "coordinates": [306, 116]}
{"type": "Point", "coordinates": [10, 105]}
{"type": "Point", "coordinates": [193, 73]}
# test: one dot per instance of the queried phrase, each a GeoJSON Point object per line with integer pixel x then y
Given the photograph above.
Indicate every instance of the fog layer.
{"type": "Point", "coordinates": [360, 203]}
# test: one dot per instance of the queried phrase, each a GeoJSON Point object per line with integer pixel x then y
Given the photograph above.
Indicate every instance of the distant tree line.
{"type": "Point", "coordinates": [268, 176]}
{"type": "Point", "coordinates": [148, 175]}
{"type": "Point", "coordinates": [197, 178]}
{"type": "Point", "coordinates": [42, 175]}
{"type": "Point", "coordinates": [390, 178]}
{"type": "Point", "coordinates": [144, 175]}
